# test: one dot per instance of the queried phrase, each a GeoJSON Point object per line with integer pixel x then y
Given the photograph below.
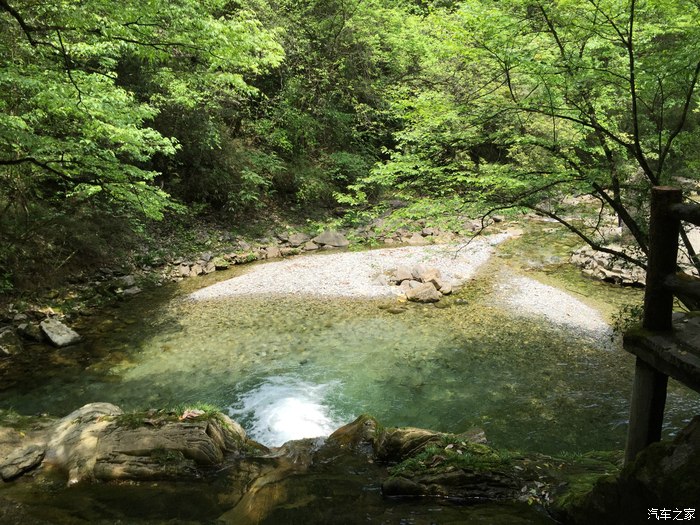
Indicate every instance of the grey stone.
{"type": "Point", "coordinates": [444, 287]}
{"type": "Point", "coordinates": [297, 239]}
{"type": "Point", "coordinates": [184, 270]}
{"type": "Point", "coordinates": [21, 460]}
{"type": "Point", "coordinates": [59, 334]}
{"type": "Point", "coordinates": [416, 239]}
{"type": "Point", "coordinates": [402, 273]}
{"type": "Point", "coordinates": [134, 290]}
{"type": "Point", "coordinates": [127, 281]}
{"type": "Point", "coordinates": [310, 246]}
{"type": "Point", "coordinates": [273, 252]}
{"type": "Point", "coordinates": [331, 238]}
{"type": "Point", "coordinates": [424, 293]}
{"type": "Point", "coordinates": [210, 267]}
{"type": "Point", "coordinates": [92, 443]}
{"type": "Point", "coordinates": [429, 275]}
{"type": "Point", "coordinates": [196, 270]}
{"type": "Point", "coordinates": [31, 331]}
{"type": "Point", "coordinates": [418, 270]}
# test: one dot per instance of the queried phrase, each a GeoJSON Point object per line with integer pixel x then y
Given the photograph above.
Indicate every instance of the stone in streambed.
{"type": "Point", "coordinates": [297, 239]}
{"type": "Point", "coordinates": [331, 238]}
{"type": "Point", "coordinates": [402, 273]}
{"type": "Point", "coordinates": [21, 460]}
{"type": "Point", "coordinates": [59, 334]}
{"type": "Point", "coordinates": [10, 343]}
{"type": "Point", "coordinates": [424, 293]}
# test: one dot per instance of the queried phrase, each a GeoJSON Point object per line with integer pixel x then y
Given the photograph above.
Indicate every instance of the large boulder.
{"type": "Point", "coordinates": [59, 334]}
{"type": "Point", "coordinates": [331, 238]}
{"type": "Point", "coordinates": [663, 476]}
{"type": "Point", "coordinates": [99, 441]}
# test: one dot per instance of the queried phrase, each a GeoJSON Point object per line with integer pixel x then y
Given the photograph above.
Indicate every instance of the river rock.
{"type": "Point", "coordinates": [31, 331]}
{"type": "Point", "coordinates": [310, 246]}
{"type": "Point", "coordinates": [408, 285]}
{"type": "Point", "coordinates": [220, 263]}
{"type": "Point", "coordinates": [331, 238]}
{"type": "Point", "coordinates": [21, 460]}
{"type": "Point", "coordinates": [424, 293]}
{"type": "Point", "coordinates": [59, 334]}
{"type": "Point", "coordinates": [444, 287]}
{"type": "Point", "coordinates": [272, 252]}
{"type": "Point", "coordinates": [663, 476]}
{"type": "Point", "coordinates": [607, 267]}
{"type": "Point", "coordinates": [126, 281]}
{"type": "Point", "coordinates": [401, 274]}
{"type": "Point", "coordinates": [134, 290]}
{"type": "Point", "coordinates": [429, 275]}
{"type": "Point", "coordinates": [297, 239]}
{"type": "Point", "coordinates": [416, 239]}
{"type": "Point", "coordinates": [10, 343]}
{"type": "Point", "coordinates": [97, 442]}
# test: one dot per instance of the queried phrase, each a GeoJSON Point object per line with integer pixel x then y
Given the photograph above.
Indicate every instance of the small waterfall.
{"type": "Point", "coordinates": [284, 408]}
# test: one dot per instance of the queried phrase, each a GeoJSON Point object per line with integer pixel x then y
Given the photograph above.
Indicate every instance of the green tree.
{"type": "Point", "coordinates": [77, 132]}
{"type": "Point", "coordinates": [524, 102]}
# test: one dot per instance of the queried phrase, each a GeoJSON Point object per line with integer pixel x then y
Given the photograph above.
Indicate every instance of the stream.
{"type": "Point", "coordinates": [288, 367]}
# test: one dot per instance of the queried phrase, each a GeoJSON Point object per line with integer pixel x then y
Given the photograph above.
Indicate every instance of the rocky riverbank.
{"type": "Point", "coordinates": [25, 321]}
{"type": "Point", "coordinates": [98, 443]}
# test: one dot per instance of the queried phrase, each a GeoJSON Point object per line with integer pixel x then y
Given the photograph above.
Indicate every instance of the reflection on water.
{"type": "Point", "coordinates": [285, 408]}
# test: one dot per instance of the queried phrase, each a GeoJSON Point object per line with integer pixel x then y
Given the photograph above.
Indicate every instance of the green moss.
{"type": "Point", "coordinates": [452, 454]}
{"type": "Point", "coordinates": [10, 418]}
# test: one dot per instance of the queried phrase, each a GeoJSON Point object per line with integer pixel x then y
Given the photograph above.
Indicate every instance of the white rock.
{"type": "Point", "coordinates": [58, 333]}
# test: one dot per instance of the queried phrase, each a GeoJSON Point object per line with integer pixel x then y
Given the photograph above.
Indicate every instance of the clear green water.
{"type": "Point", "coordinates": [294, 366]}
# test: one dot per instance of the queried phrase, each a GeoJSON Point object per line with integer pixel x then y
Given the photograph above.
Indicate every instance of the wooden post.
{"type": "Point", "coordinates": [649, 389]}
{"type": "Point", "coordinates": [663, 256]}
{"type": "Point", "coordinates": [646, 409]}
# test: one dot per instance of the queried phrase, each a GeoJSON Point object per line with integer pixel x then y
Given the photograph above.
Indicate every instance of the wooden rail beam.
{"type": "Point", "coordinates": [688, 212]}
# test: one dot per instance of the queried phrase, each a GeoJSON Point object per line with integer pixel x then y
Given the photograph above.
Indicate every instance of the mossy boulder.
{"type": "Point", "coordinates": [663, 476]}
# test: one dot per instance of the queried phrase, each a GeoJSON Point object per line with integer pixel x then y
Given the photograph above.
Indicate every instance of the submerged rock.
{"type": "Point", "coordinates": [10, 343]}
{"type": "Point", "coordinates": [59, 334]}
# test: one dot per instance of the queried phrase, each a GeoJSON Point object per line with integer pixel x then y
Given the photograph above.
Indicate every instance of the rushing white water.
{"type": "Point", "coordinates": [285, 408]}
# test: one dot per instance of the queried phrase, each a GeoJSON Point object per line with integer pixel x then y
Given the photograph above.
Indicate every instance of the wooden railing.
{"type": "Point", "coordinates": [668, 344]}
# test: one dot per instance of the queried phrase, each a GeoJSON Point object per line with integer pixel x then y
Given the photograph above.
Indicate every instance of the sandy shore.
{"type": "Point", "coordinates": [363, 275]}
{"type": "Point", "coordinates": [354, 274]}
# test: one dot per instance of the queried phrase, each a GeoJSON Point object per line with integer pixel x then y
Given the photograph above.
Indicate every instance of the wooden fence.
{"type": "Point", "coordinates": [668, 344]}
